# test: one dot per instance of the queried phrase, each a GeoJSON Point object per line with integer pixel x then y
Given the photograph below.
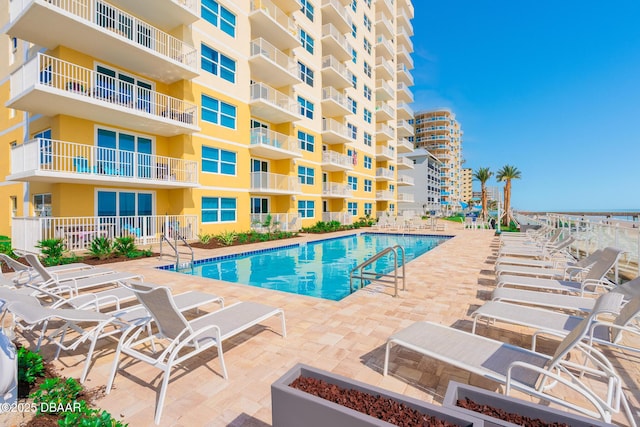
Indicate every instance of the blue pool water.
{"type": "Point", "coordinates": [319, 269]}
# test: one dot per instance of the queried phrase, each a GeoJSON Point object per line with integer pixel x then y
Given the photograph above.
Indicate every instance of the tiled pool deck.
{"type": "Point", "coordinates": [346, 337]}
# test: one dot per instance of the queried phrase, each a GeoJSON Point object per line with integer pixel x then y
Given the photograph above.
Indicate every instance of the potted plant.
{"type": "Point", "coordinates": [291, 407]}
{"type": "Point", "coordinates": [500, 402]}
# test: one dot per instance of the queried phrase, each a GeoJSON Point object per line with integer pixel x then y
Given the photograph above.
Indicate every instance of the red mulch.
{"type": "Point", "coordinates": [87, 260]}
{"type": "Point", "coordinates": [501, 414]}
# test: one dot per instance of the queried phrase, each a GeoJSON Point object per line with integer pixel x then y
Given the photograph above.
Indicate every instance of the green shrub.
{"type": "Point", "coordinates": [30, 366]}
{"type": "Point", "coordinates": [101, 247]}
{"type": "Point", "coordinates": [124, 245]}
{"type": "Point", "coordinates": [54, 392]}
{"type": "Point", "coordinates": [88, 417]}
{"type": "Point", "coordinates": [205, 238]}
{"type": "Point", "coordinates": [227, 237]}
{"type": "Point", "coordinates": [243, 238]}
{"type": "Point", "coordinates": [52, 251]}
{"type": "Point", "coordinates": [5, 247]}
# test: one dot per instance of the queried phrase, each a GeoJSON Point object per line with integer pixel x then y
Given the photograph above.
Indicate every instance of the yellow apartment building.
{"type": "Point", "coordinates": [439, 132]}
{"type": "Point", "coordinates": [182, 117]}
{"type": "Point", "coordinates": [466, 186]}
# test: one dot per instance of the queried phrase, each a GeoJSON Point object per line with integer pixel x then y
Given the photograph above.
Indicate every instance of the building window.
{"type": "Point", "coordinates": [367, 92]}
{"type": "Point", "coordinates": [217, 63]}
{"type": "Point", "coordinates": [42, 204]}
{"type": "Point", "coordinates": [306, 74]}
{"type": "Point", "coordinates": [367, 23]}
{"type": "Point", "coordinates": [367, 46]}
{"type": "Point", "coordinates": [352, 208]}
{"type": "Point", "coordinates": [306, 175]}
{"type": "Point", "coordinates": [368, 208]}
{"type": "Point", "coordinates": [306, 208]}
{"type": "Point", "coordinates": [306, 40]}
{"type": "Point", "coordinates": [354, 5]}
{"type": "Point", "coordinates": [218, 209]}
{"type": "Point", "coordinates": [367, 162]}
{"type": "Point", "coordinates": [219, 16]}
{"type": "Point", "coordinates": [367, 116]}
{"type": "Point", "coordinates": [307, 9]}
{"type": "Point", "coordinates": [392, 188]}
{"type": "Point", "coordinates": [368, 185]}
{"type": "Point", "coordinates": [354, 30]}
{"type": "Point", "coordinates": [354, 81]}
{"type": "Point", "coordinates": [353, 130]}
{"type": "Point", "coordinates": [368, 2]}
{"type": "Point", "coordinates": [367, 69]}
{"type": "Point", "coordinates": [306, 107]}
{"type": "Point", "coordinates": [218, 161]}
{"type": "Point", "coordinates": [353, 105]}
{"type": "Point", "coordinates": [306, 141]}
{"type": "Point", "coordinates": [392, 207]}
{"type": "Point", "coordinates": [367, 139]}
{"type": "Point", "coordinates": [353, 182]}
{"type": "Point", "coordinates": [392, 168]}
{"type": "Point", "coordinates": [218, 112]}
{"type": "Point", "coordinates": [354, 56]}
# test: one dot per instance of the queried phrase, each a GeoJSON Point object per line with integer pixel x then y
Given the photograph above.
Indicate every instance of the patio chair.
{"type": "Point", "coordinates": [548, 322]}
{"type": "Point", "coordinates": [62, 275]}
{"type": "Point", "coordinates": [23, 270]}
{"type": "Point", "coordinates": [526, 370]}
{"type": "Point", "coordinates": [185, 339]}
{"type": "Point", "coordinates": [537, 252]}
{"type": "Point", "coordinates": [570, 270]}
{"type": "Point", "coordinates": [592, 282]}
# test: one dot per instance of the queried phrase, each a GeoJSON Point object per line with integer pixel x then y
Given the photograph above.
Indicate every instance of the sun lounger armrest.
{"type": "Point", "coordinates": [589, 284]}
{"type": "Point", "coordinates": [633, 329]}
{"type": "Point", "coordinates": [534, 336]}
{"type": "Point", "coordinates": [573, 271]}
{"type": "Point", "coordinates": [189, 338]}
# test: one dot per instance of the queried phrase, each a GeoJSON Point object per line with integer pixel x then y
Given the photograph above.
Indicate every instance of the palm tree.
{"type": "Point", "coordinates": [506, 174]}
{"type": "Point", "coordinates": [483, 175]}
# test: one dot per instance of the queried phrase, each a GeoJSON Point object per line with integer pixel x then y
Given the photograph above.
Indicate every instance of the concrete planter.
{"type": "Point", "coordinates": [457, 391]}
{"type": "Point", "coordinates": [291, 407]}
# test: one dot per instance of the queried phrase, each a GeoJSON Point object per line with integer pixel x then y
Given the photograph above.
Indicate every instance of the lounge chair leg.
{"type": "Point", "coordinates": [386, 359]}
{"type": "Point", "coordinates": [87, 361]}
{"type": "Point", "coordinates": [221, 357]}
{"type": "Point", "coordinates": [114, 368]}
{"type": "Point", "coordinates": [163, 393]}
{"type": "Point", "coordinates": [284, 327]}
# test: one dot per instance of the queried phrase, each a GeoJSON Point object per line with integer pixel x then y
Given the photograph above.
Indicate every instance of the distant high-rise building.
{"type": "Point", "coordinates": [424, 170]}
{"type": "Point", "coordinates": [466, 186]}
{"type": "Point", "coordinates": [439, 132]}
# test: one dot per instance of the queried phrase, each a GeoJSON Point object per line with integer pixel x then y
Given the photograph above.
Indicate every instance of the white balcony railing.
{"type": "Point", "coordinates": [405, 180]}
{"type": "Point", "coordinates": [383, 85]}
{"type": "Point", "coordinates": [384, 173]}
{"type": "Point", "coordinates": [269, 138]}
{"type": "Point", "coordinates": [329, 30]}
{"type": "Point", "coordinates": [110, 18]}
{"type": "Point", "coordinates": [263, 92]}
{"type": "Point", "coordinates": [330, 61]}
{"type": "Point", "coordinates": [384, 195]}
{"type": "Point", "coordinates": [85, 160]}
{"type": "Point", "coordinates": [269, 222]}
{"type": "Point", "coordinates": [385, 152]}
{"type": "Point", "coordinates": [402, 68]}
{"type": "Point", "coordinates": [332, 94]}
{"type": "Point", "coordinates": [405, 144]}
{"type": "Point", "coordinates": [276, 14]}
{"type": "Point", "coordinates": [265, 49]}
{"type": "Point", "coordinates": [385, 129]}
{"type": "Point", "coordinates": [405, 197]}
{"type": "Point", "coordinates": [381, 62]}
{"type": "Point", "coordinates": [335, 158]}
{"type": "Point", "coordinates": [331, 125]}
{"type": "Point", "coordinates": [78, 232]}
{"type": "Point", "coordinates": [47, 71]}
{"type": "Point", "coordinates": [404, 106]}
{"type": "Point", "coordinates": [386, 108]}
{"type": "Point", "coordinates": [273, 182]}
{"type": "Point", "coordinates": [344, 218]}
{"type": "Point", "coordinates": [383, 41]}
{"type": "Point", "coordinates": [336, 189]}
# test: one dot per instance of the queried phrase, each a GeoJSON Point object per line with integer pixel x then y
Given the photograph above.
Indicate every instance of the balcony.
{"type": "Point", "coordinates": [384, 68]}
{"type": "Point", "coordinates": [404, 93]}
{"type": "Point", "coordinates": [406, 198]}
{"type": "Point", "coordinates": [272, 105]}
{"type": "Point", "coordinates": [384, 25]}
{"type": "Point", "coordinates": [384, 91]}
{"type": "Point", "coordinates": [404, 75]}
{"type": "Point", "coordinates": [408, 8]}
{"type": "Point", "coordinates": [384, 48]}
{"type": "Point", "coordinates": [335, 73]}
{"type": "Point", "coordinates": [334, 103]}
{"type": "Point", "coordinates": [334, 132]}
{"type": "Point", "coordinates": [386, 6]}
{"type": "Point", "coordinates": [404, 146]}
{"type": "Point", "coordinates": [405, 163]}
{"type": "Point", "coordinates": [384, 153]}
{"type": "Point", "coordinates": [384, 112]}
{"type": "Point", "coordinates": [334, 43]}
{"type": "Point", "coordinates": [384, 174]}
{"type": "Point", "coordinates": [273, 24]}
{"type": "Point", "coordinates": [404, 39]}
{"type": "Point", "coordinates": [404, 56]}
{"type": "Point", "coordinates": [123, 39]}
{"type": "Point", "coordinates": [49, 86]}
{"type": "Point", "coordinates": [333, 190]}
{"type": "Point", "coordinates": [272, 66]}
{"type": "Point", "coordinates": [385, 196]}
{"type": "Point", "coordinates": [384, 132]}
{"type": "Point", "coordinates": [289, 6]}
{"type": "Point", "coordinates": [404, 128]}
{"type": "Point", "coordinates": [274, 184]}
{"type": "Point", "coordinates": [344, 218]}
{"type": "Point", "coordinates": [53, 161]}
{"type": "Point", "coordinates": [404, 111]}
{"type": "Point", "coordinates": [333, 161]}
{"type": "Point", "coordinates": [273, 145]}
{"type": "Point", "coordinates": [334, 12]}
{"type": "Point", "coordinates": [405, 180]}
{"type": "Point", "coordinates": [404, 20]}
{"type": "Point", "coordinates": [165, 14]}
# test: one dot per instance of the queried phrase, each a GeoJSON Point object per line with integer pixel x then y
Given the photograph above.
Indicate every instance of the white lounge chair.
{"type": "Point", "coordinates": [570, 270]}
{"type": "Point", "coordinates": [548, 322]}
{"type": "Point", "coordinates": [27, 273]}
{"type": "Point", "coordinates": [525, 370]}
{"type": "Point", "coordinates": [536, 252]}
{"type": "Point", "coordinates": [180, 335]}
{"type": "Point", "coordinates": [46, 276]}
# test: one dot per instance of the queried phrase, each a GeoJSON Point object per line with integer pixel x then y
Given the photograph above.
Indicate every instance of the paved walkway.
{"type": "Point", "coordinates": [346, 337]}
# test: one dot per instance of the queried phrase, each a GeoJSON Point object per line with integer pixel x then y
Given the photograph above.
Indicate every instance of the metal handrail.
{"type": "Point", "coordinates": [174, 246]}
{"type": "Point", "coordinates": [377, 277]}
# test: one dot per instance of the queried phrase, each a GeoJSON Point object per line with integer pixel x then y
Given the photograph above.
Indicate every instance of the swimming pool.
{"type": "Point", "coordinates": [318, 269]}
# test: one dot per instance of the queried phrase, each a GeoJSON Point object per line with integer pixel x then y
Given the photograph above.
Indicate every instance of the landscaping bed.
{"type": "Point", "coordinates": [501, 414]}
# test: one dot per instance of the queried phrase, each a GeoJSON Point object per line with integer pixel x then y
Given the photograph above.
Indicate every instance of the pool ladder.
{"type": "Point", "coordinates": [372, 276]}
{"type": "Point", "coordinates": [176, 251]}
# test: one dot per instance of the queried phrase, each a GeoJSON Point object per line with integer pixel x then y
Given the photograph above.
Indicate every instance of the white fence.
{"type": "Point", "coordinates": [345, 218]}
{"type": "Point", "coordinates": [78, 232]}
{"type": "Point", "coordinates": [268, 222]}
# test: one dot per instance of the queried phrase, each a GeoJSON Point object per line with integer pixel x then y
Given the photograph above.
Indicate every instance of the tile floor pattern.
{"type": "Point", "coordinates": [345, 337]}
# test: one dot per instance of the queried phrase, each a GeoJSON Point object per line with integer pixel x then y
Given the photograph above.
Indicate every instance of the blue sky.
{"type": "Point", "coordinates": [551, 87]}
